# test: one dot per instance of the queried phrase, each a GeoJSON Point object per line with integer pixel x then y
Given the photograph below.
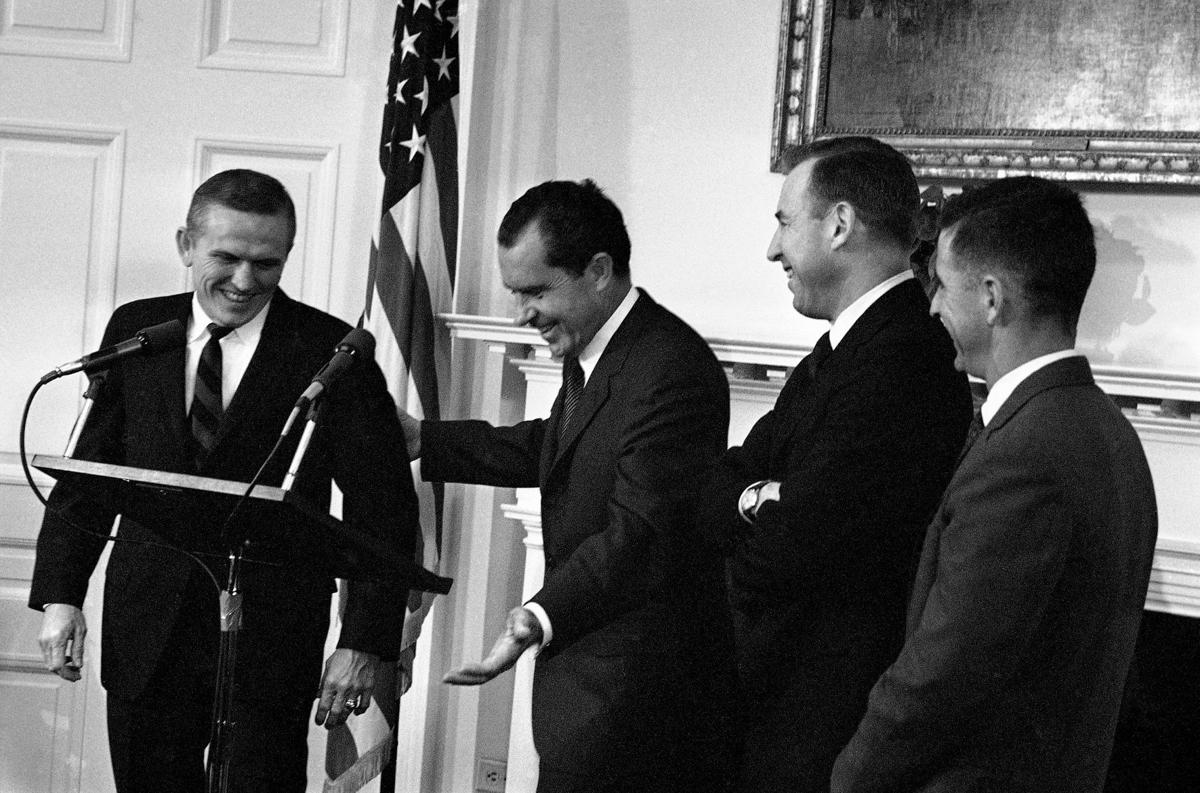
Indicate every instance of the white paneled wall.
{"type": "Point", "coordinates": [108, 121]}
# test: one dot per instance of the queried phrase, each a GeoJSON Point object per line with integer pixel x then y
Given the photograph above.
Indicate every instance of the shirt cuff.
{"type": "Point", "coordinates": [747, 505]}
{"type": "Point", "coordinates": [544, 620]}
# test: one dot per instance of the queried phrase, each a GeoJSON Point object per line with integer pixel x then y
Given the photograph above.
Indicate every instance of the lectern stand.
{"type": "Point", "coordinates": [151, 497]}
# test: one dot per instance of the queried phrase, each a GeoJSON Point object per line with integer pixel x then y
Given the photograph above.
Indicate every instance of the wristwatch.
{"type": "Point", "coordinates": [748, 501]}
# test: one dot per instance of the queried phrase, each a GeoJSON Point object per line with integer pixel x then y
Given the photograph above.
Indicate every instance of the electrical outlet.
{"type": "Point", "coordinates": [490, 775]}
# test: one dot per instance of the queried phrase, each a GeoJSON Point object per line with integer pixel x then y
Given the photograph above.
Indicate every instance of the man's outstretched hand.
{"type": "Point", "coordinates": [521, 631]}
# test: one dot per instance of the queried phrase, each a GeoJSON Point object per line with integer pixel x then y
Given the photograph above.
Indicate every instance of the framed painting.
{"type": "Point", "coordinates": [1094, 90]}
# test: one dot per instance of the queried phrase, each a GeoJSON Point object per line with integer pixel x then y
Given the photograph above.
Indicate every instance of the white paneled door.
{"type": "Point", "coordinates": [110, 113]}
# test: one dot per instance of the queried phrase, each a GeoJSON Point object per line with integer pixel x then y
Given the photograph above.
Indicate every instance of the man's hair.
{"type": "Point", "coordinates": [1035, 230]}
{"type": "Point", "coordinates": [242, 190]}
{"type": "Point", "coordinates": [576, 221]}
{"type": "Point", "coordinates": [869, 175]}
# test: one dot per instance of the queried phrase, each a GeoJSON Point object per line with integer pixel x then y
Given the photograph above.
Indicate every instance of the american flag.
{"type": "Point", "coordinates": [410, 281]}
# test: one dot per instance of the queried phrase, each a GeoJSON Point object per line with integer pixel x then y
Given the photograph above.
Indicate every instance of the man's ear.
{"type": "Point", "coordinates": [844, 220]}
{"type": "Point", "coordinates": [997, 299]}
{"type": "Point", "coordinates": [183, 243]}
{"type": "Point", "coordinates": [600, 269]}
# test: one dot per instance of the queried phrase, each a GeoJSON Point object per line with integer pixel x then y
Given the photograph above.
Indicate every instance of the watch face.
{"type": "Point", "coordinates": [747, 502]}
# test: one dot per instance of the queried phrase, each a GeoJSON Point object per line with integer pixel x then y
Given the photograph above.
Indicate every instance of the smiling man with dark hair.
{"type": "Point", "coordinates": [631, 688]}
{"type": "Point", "coordinates": [1030, 590]}
{"type": "Point", "coordinates": [822, 506]}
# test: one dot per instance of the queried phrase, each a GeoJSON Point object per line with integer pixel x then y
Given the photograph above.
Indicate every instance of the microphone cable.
{"type": "Point", "coordinates": [68, 520]}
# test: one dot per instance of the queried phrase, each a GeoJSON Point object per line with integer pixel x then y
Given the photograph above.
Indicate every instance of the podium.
{"type": "Point", "coordinates": [152, 497]}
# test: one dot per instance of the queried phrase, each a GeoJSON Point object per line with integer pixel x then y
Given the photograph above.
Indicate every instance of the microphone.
{"type": "Point", "coordinates": [155, 338]}
{"type": "Point", "coordinates": [358, 343]}
{"type": "Point", "coordinates": [95, 387]}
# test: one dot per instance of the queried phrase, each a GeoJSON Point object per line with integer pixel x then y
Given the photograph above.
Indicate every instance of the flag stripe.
{"type": "Point", "coordinates": [410, 281]}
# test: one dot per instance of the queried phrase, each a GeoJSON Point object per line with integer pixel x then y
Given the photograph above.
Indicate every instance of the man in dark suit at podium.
{"type": "Point", "coordinates": [215, 407]}
{"type": "Point", "coordinates": [631, 685]}
{"type": "Point", "coordinates": [1034, 573]}
{"type": "Point", "coordinates": [824, 504]}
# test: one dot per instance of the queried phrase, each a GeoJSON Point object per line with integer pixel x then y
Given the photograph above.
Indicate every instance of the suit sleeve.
{"type": "Point", "coordinates": [379, 498]}
{"type": "Point", "coordinates": [862, 480]}
{"type": "Point", "coordinates": [671, 434]}
{"type": "Point", "coordinates": [73, 531]}
{"type": "Point", "coordinates": [477, 453]}
{"type": "Point", "coordinates": [717, 506]}
{"type": "Point", "coordinates": [999, 557]}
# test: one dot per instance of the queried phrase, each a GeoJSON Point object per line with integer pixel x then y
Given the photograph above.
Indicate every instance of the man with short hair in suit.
{"type": "Point", "coordinates": [631, 684]}
{"type": "Point", "coordinates": [215, 408]}
{"type": "Point", "coordinates": [1033, 577]}
{"type": "Point", "coordinates": [823, 506]}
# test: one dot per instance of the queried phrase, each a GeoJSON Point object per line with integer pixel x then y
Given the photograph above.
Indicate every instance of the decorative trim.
{"type": "Point", "coordinates": [108, 145]}
{"type": "Point", "coordinates": [539, 369]}
{"type": "Point", "coordinates": [11, 474]}
{"type": "Point", "coordinates": [528, 514]}
{"type": "Point", "coordinates": [775, 358]}
{"type": "Point", "coordinates": [326, 56]}
{"type": "Point", "coordinates": [111, 42]}
{"type": "Point", "coordinates": [316, 203]}
{"type": "Point", "coordinates": [1175, 579]}
{"type": "Point", "coordinates": [1091, 155]}
{"type": "Point", "coordinates": [493, 329]}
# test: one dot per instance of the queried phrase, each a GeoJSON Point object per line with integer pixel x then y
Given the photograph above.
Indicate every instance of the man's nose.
{"type": "Point", "coordinates": [525, 313]}
{"type": "Point", "coordinates": [774, 250]}
{"type": "Point", "coordinates": [243, 276]}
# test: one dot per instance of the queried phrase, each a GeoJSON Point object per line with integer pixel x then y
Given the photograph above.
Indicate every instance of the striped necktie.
{"type": "Point", "coordinates": [207, 406]}
{"type": "Point", "coordinates": [572, 393]}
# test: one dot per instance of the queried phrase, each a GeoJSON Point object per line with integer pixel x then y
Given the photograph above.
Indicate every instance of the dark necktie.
{"type": "Point", "coordinates": [973, 431]}
{"type": "Point", "coordinates": [572, 393]}
{"type": "Point", "coordinates": [820, 352]}
{"type": "Point", "coordinates": [207, 408]}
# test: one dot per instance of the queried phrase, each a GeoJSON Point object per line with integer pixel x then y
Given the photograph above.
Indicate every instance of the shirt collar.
{"type": "Point", "coordinates": [841, 326]}
{"type": "Point", "coordinates": [999, 393]}
{"type": "Point", "coordinates": [246, 334]}
{"type": "Point", "coordinates": [595, 348]}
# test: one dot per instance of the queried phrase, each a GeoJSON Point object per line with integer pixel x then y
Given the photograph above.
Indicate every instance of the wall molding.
{"type": "Point", "coordinates": [107, 146]}
{"type": "Point", "coordinates": [65, 38]}
{"type": "Point", "coordinates": [1175, 578]}
{"type": "Point", "coordinates": [221, 48]}
{"type": "Point", "coordinates": [776, 359]}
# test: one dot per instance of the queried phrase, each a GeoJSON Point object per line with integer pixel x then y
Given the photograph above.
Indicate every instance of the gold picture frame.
{"type": "Point", "coordinates": [1091, 90]}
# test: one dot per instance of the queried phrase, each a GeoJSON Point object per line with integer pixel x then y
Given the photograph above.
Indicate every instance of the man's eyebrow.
{"type": "Point", "coordinates": [525, 290]}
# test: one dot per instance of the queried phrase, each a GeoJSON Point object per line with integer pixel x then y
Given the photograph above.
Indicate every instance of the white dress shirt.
{"type": "Point", "coordinates": [237, 348]}
{"type": "Point", "coordinates": [999, 393]}
{"type": "Point", "coordinates": [841, 326]}
{"type": "Point", "coordinates": [587, 361]}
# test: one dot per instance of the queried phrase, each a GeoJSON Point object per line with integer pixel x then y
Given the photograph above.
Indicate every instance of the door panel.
{"type": "Point", "coordinates": [109, 117]}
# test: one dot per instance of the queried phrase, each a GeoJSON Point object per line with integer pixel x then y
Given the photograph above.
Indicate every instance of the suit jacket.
{"type": "Point", "coordinates": [819, 585]}
{"type": "Point", "coordinates": [635, 674]}
{"type": "Point", "coordinates": [1025, 609]}
{"type": "Point", "coordinates": [140, 421]}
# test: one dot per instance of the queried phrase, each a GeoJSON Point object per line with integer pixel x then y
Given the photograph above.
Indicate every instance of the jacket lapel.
{"type": "Point", "coordinates": [167, 369]}
{"type": "Point", "coordinates": [806, 401]}
{"type": "Point", "coordinates": [1073, 371]}
{"type": "Point", "coordinates": [263, 373]}
{"type": "Point", "coordinates": [599, 385]}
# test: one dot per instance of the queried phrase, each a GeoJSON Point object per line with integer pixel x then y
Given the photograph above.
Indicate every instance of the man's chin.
{"type": "Point", "coordinates": [234, 315]}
